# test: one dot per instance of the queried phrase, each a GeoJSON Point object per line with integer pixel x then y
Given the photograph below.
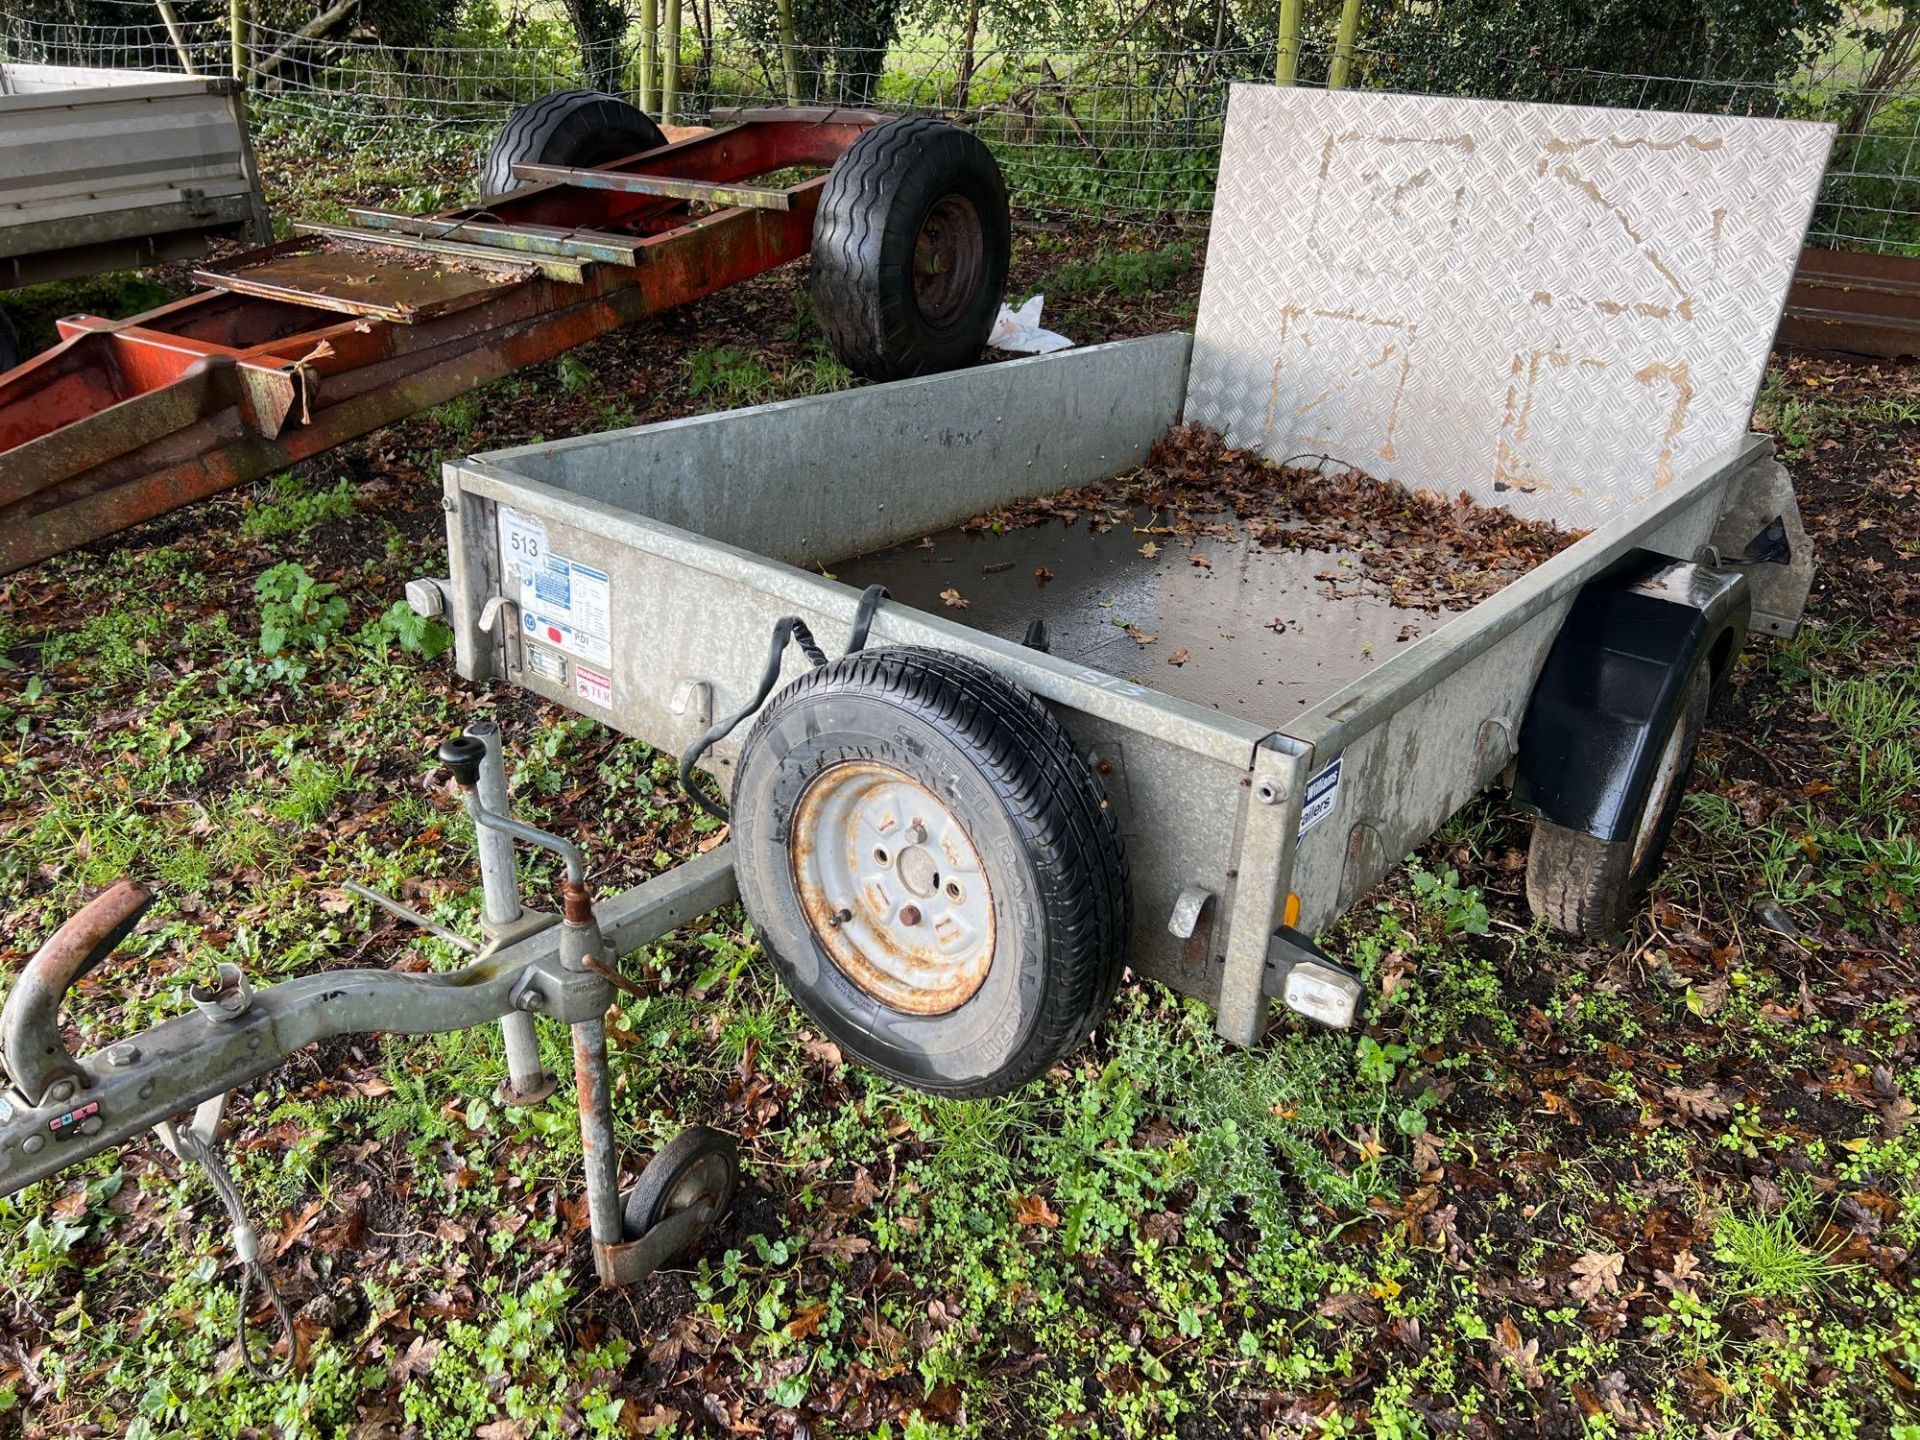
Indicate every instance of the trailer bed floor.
{"type": "Point", "coordinates": [1262, 632]}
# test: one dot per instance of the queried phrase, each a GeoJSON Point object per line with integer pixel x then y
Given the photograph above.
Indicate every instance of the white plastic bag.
{"type": "Point", "coordinates": [1019, 331]}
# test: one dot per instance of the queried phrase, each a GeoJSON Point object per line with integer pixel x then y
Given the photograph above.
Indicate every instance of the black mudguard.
{"type": "Point", "coordinates": [1617, 672]}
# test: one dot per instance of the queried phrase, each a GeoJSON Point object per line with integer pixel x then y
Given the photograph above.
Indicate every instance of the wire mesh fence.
{"type": "Point", "coordinates": [1122, 126]}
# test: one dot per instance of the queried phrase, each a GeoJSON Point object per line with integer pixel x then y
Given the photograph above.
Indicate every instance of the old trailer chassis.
{"type": "Point", "coordinates": [125, 420]}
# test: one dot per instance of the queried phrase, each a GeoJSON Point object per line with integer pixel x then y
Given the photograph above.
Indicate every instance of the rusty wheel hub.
{"type": "Point", "coordinates": [949, 260]}
{"type": "Point", "coordinates": [893, 888]}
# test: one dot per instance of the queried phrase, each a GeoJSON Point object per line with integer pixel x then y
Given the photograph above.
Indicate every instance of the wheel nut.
{"type": "Point", "coordinates": [910, 915]}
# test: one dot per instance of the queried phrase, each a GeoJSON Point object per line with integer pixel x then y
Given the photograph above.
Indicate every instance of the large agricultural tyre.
{"type": "Point", "coordinates": [1587, 887]}
{"type": "Point", "coordinates": [910, 249]}
{"type": "Point", "coordinates": [569, 127]}
{"type": "Point", "coordinates": [933, 867]}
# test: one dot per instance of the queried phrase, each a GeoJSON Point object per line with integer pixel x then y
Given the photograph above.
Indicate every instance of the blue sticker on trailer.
{"type": "Point", "coordinates": [1323, 793]}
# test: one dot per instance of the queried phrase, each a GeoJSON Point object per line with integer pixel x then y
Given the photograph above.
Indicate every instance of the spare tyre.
{"type": "Point", "coordinates": [910, 249]}
{"type": "Point", "coordinates": [569, 127]}
{"type": "Point", "coordinates": [933, 867]}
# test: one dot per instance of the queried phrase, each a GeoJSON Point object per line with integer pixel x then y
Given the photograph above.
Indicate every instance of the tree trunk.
{"type": "Point", "coordinates": [650, 56]}
{"type": "Point", "coordinates": [789, 51]}
{"type": "Point", "coordinates": [597, 27]}
{"type": "Point", "coordinates": [966, 53]}
{"type": "Point", "coordinates": [670, 64]}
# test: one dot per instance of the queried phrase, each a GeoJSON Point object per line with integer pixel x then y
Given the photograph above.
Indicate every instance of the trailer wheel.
{"type": "Point", "coordinates": [569, 127]}
{"type": "Point", "coordinates": [698, 1167]}
{"type": "Point", "coordinates": [910, 249]}
{"type": "Point", "coordinates": [1585, 886]}
{"type": "Point", "coordinates": [933, 867]}
{"type": "Point", "coordinates": [9, 344]}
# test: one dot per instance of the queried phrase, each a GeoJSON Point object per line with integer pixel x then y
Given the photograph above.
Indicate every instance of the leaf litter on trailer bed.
{"type": "Point", "coordinates": [1269, 588]}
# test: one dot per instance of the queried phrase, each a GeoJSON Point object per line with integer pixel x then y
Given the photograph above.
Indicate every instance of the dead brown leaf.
{"type": "Point", "coordinates": [1702, 1102]}
{"type": "Point", "coordinates": [1034, 1210]}
{"type": "Point", "coordinates": [1522, 1356]}
{"type": "Point", "coordinates": [1599, 1273]}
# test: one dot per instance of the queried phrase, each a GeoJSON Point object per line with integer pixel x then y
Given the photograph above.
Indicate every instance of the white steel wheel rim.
{"type": "Point", "coordinates": [893, 888]}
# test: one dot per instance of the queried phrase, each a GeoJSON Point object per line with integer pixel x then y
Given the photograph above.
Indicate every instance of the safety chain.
{"type": "Point", "coordinates": [246, 1244]}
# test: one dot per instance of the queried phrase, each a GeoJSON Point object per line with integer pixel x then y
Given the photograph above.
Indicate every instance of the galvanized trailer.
{"type": "Point", "coordinates": [110, 169]}
{"type": "Point", "coordinates": [953, 837]}
{"type": "Point", "coordinates": [704, 532]}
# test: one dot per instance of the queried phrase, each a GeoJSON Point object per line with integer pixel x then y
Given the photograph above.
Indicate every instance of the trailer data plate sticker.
{"type": "Point", "coordinates": [562, 603]}
{"type": "Point", "coordinates": [546, 664]}
{"type": "Point", "coordinates": [1323, 793]}
{"type": "Point", "coordinates": [1557, 309]}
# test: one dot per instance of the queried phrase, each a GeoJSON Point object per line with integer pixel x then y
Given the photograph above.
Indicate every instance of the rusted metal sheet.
{"type": "Point", "coordinates": [809, 114]}
{"type": "Point", "coordinates": [400, 287]}
{"type": "Point", "coordinates": [750, 196]}
{"type": "Point", "coordinates": [316, 341]}
{"type": "Point", "coordinates": [1858, 304]}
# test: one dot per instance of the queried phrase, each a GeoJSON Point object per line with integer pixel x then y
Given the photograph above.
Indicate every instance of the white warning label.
{"type": "Point", "coordinates": [1323, 793]}
{"type": "Point", "coordinates": [562, 603]}
{"type": "Point", "coordinates": [593, 687]}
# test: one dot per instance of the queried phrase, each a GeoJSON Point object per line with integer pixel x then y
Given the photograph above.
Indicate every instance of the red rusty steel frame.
{"type": "Point", "coordinates": [125, 420]}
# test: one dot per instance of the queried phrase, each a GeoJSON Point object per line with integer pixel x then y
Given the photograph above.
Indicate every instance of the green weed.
{"type": "Point", "coordinates": [414, 634]}
{"type": "Point", "coordinates": [1122, 274]}
{"type": "Point", "coordinates": [297, 612]}
{"type": "Point", "coordinates": [461, 415]}
{"type": "Point", "coordinates": [291, 506]}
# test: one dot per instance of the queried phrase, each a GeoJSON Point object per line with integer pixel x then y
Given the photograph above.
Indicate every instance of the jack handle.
{"type": "Point", "coordinates": [462, 755]}
{"type": "Point", "coordinates": [31, 1051]}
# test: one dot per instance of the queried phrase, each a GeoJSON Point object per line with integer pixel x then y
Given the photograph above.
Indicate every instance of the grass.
{"type": "Point", "coordinates": [725, 377]}
{"type": "Point", "coordinates": [1126, 274]}
{"type": "Point", "coordinates": [1376, 1234]}
{"type": "Point", "coordinates": [290, 506]}
{"type": "Point", "coordinates": [1766, 1257]}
